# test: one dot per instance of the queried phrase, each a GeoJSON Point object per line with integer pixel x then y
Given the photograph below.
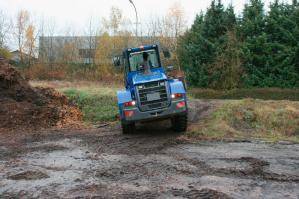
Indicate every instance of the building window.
{"type": "Point", "coordinates": [87, 53]}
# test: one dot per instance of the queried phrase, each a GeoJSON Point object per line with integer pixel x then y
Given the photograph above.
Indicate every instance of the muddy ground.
{"type": "Point", "coordinates": [153, 163]}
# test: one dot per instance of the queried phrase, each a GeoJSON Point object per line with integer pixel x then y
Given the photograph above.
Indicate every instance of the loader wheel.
{"type": "Point", "coordinates": [179, 123]}
{"type": "Point", "coordinates": [128, 128]}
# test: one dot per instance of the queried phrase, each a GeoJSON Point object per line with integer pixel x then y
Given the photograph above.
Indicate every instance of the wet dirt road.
{"type": "Point", "coordinates": [152, 163]}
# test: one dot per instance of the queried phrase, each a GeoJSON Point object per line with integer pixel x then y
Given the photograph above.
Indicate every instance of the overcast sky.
{"type": "Point", "coordinates": [76, 13]}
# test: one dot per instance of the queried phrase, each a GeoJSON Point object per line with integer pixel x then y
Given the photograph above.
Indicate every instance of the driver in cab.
{"type": "Point", "coordinates": [146, 63]}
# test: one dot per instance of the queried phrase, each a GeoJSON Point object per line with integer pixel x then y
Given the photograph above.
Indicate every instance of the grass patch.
{"type": "Point", "coordinates": [239, 119]}
{"type": "Point", "coordinates": [255, 93]}
{"type": "Point", "coordinates": [98, 104]}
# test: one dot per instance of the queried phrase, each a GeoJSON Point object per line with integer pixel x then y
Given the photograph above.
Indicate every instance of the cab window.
{"type": "Point", "coordinates": [136, 60]}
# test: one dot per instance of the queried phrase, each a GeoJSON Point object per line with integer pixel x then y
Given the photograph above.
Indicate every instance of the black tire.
{"type": "Point", "coordinates": [128, 128]}
{"type": "Point", "coordinates": [179, 123]}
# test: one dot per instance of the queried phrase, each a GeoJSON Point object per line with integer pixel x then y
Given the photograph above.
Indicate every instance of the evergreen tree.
{"type": "Point", "coordinates": [230, 18]}
{"type": "Point", "coordinates": [227, 67]}
{"type": "Point", "coordinates": [254, 38]}
{"type": "Point", "coordinates": [214, 22]}
{"type": "Point", "coordinates": [257, 50]}
{"type": "Point", "coordinates": [191, 52]}
{"type": "Point", "coordinates": [253, 21]}
{"type": "Point", "coordinates": [295, 18]}
{"type": "Point", "coordinates": [227, 55]}
{"type": "Point", "coordinates": [281, 45]}
{"type": "Point", "coordinates": [203, 42]}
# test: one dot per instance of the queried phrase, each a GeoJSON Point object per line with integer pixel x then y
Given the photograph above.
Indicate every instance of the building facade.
{"type": "Point", "coordinates": [84, 49]}
{"type": "Point", "coordinates": [60, 49]}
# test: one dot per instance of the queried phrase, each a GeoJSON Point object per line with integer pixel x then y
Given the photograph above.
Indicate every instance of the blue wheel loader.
{"type": "Point", "coordinates": [149, 94]}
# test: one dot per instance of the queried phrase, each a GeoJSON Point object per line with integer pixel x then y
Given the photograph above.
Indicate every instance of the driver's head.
{"type": "Point", "coordinates": [145, 56]}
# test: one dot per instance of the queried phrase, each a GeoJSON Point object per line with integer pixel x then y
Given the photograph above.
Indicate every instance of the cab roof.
{"type": "Point", "coordinates": [141, 48]}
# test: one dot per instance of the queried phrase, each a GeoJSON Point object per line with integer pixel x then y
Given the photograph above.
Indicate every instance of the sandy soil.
{"type": "Point", "coordinates": [153, 163]}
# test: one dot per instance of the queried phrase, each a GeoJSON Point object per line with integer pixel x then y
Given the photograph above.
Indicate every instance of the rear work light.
{"type": "Point", "coordinates": [176, 95]}
{"type": "Point", "coordinates": [130, 104]}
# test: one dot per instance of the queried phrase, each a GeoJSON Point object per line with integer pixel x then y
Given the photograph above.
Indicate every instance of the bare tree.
{"type": "Point", "coordinates": [175, 20]}
{"type": "Point", "coordinates": [92, 31]}
{"type": "Point", "coordinates": [68, 51]}
{"type": "Point", "coordinates": [155, 28]}
{"type": "Point", "coordinates": [174, 26]}
{"type": "Point", "coordinates": [40, 35]}
{"type": "Point", "coordinates": [22, 23]}
{"type": "Point", "coordinates": [115, 20]}
{"type": "Point", "coordinates": [5, 28]}
{"type": "Point", "coordinates": [69, 46]}
{"type": "Point", "coordinates": [117, 25]}
{"type": "Point", "coordinates": [50, 33]}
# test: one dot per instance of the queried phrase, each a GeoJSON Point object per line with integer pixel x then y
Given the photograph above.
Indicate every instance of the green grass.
{"type": "Point", "coordinates": [258, 119]}
{"type": "Point", "coordinates": [98, 104]}
{"type": "Point", "coordinates": [255, 93]}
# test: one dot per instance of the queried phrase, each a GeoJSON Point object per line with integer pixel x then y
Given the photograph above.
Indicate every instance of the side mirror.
{"type": "Point", "coordinates": [169, 68]}
{"type": "Point", "coordinates": [166, 53]}
{"type": "Point", "coordinates": [116, 61]}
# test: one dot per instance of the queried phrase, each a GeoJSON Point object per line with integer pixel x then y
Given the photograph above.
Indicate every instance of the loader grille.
{"type": "Point", "coordinates": [153, 95]}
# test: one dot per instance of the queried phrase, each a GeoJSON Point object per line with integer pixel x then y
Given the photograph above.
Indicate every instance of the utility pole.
{"type": "Point", "coordinates": [131, 1]}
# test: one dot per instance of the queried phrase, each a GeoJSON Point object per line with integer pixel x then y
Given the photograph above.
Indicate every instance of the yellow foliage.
{"type": "Point", "coordinates": [5, 53]}
{"type": "Point", "coordinates": [30, 40]}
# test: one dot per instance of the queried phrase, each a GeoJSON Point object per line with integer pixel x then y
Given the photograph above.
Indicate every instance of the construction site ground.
{"type": "Point", "coordinates": [154, 162]}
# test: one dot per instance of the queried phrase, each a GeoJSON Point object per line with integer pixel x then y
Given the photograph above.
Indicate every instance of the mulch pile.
{"type": "Point", "coordinates": [28, 108]}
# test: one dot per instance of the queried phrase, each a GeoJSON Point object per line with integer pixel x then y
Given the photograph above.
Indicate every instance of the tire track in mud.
{"type": "Point", "coordinates": [255, 171]}
{"type": "Point", "coordinates": [199, 109]}
{"type": "Point", "coordinates": [200, 194]}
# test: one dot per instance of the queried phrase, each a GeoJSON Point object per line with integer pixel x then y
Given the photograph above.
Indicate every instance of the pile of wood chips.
{"type": "Point", "coordinates": [23, 107]}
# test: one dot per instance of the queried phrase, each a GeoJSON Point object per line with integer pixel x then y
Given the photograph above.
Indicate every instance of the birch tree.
{"type": "Point", "coordinates": [22, 23]}
{"type": "Point", "coordinates": [30, 43]}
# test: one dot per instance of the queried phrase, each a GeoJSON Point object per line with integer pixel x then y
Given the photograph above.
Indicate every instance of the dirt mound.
{"type": "Point", "coordinates": [25, 107]}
